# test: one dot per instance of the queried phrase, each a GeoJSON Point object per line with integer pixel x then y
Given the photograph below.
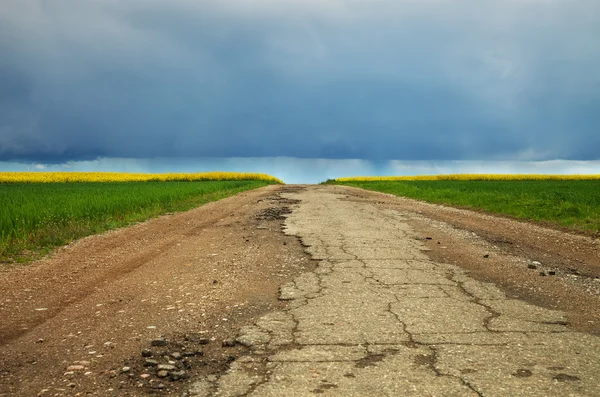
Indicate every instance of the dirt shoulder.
{"type": "Point", "coordinates": [77, 322]}
{"type": "Point", "coordinates": [544, 266]}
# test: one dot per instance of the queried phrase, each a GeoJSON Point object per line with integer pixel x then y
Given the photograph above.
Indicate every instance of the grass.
{"type": "Point", "coordinates": [36, 217]}
{"type": "Point", "coordinates": [574, 204]}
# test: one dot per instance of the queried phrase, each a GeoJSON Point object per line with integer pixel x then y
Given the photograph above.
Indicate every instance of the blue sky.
{"type": "Point", "coordinates": [370, 81]}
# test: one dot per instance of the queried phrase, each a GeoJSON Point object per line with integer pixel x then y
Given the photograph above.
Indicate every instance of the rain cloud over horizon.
{"type": "Point", "coordinates": [506, 80]}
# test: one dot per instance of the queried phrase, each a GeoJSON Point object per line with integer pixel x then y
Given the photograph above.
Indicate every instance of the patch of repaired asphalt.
{"type": "Point", "coordinates": [378, 318]}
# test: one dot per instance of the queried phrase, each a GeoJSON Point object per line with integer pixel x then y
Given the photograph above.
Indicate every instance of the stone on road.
{"type": "Point", "coordinates": [379, 318]}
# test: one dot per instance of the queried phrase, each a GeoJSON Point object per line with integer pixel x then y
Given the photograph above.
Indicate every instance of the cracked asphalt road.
{"type": "Point", "coordinates": [379, 318]}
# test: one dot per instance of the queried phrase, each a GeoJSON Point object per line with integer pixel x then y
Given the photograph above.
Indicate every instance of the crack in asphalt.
{"type": "Point", "coordinates": [492, 314]}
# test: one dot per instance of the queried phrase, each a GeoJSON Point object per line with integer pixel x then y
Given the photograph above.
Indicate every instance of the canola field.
{"type": "Point", "coordinates": [80, 177]}
{"type": "Point", "coordinates": [473, 177]}
{"type": "Point", "coordinates": [39, 211]}
{"type": "Point", "coordinates": [571, 201]}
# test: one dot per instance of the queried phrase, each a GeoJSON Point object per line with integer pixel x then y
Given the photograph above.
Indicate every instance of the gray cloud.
{"type": "Point", "coordinates": [376, 79]}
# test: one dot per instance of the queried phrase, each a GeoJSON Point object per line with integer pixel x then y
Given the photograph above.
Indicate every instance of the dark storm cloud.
{"type": "Point", "coordinates": [379, 79]}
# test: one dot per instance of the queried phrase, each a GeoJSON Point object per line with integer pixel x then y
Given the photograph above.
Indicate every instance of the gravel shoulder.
{"type": "Point", "coordinates": [72, 322]}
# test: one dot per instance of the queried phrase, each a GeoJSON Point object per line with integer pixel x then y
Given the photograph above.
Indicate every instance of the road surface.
{"type": "Point", "coordinates": [378, 317]}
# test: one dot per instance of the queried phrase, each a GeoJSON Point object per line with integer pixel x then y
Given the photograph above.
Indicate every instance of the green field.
{"type": "Point", "coordinates": [35, 217]}
{"type": "Point", "coordinates": [573, 204]}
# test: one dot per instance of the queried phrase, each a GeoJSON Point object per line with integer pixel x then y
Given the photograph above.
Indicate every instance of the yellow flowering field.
{"type": "Point", "coordinates": [50, 177]}
{"type": "Point", "coordinates": [475, 177]}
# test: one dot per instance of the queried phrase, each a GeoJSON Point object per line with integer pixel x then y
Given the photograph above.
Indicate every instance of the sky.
{"type": "Point", "coordinates": [331, 86]}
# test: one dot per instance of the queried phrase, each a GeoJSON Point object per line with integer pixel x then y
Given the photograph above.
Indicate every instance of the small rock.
{"type": "Point", "coordinates": [552, 273]}
{"type": "Point", "coordinates": [39, 341]}
{"type": "Point", "coordinates": [228, 343]}
{"type": "Point", "coordinates": [146, 353]}
{"type": "Point", "coordinates": [522, 373]}
{"type": "Point", "coordinates": [542, 273]}
{"type": "Point", "coordinates": [150, 363]}
{"type": "Point", "coordinates": [176, 355]}
{"type": "Point", "coordinates": [176, 375]}
{"type": "Point", "coordinates": [71, 385]}
{"type": "Point", "coordinates": [231, 358]}
{"type": "Point", "coordinates": [159, 342]}
{"type": "Point", "coordinates": [536, 263]}
{"type": "Point", "coordinates": [166, 367]}
{"type": "Point", "coordinates": [159, 386]}
{"type": "Point", "coordinates": [197, 337]}
{"type": "Point", "coordinates": [75, 368]}
{"type": "Point", "coordinates": [186, 364]}
{"type": "Point", "coordinates": [124, 370]}
{"type": "Point", "coordinates": [486, 256]}
{"type": "Point", "coordinates": [82, 362]}
{"type": "Point", "coordinates": [144, 376]}
{"type": "Point", "coordinates": [192, 353]}
{"type": "Point", "coordinates": [531, 266]}
{"type": "Point", "coordinates": [162, 373]}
